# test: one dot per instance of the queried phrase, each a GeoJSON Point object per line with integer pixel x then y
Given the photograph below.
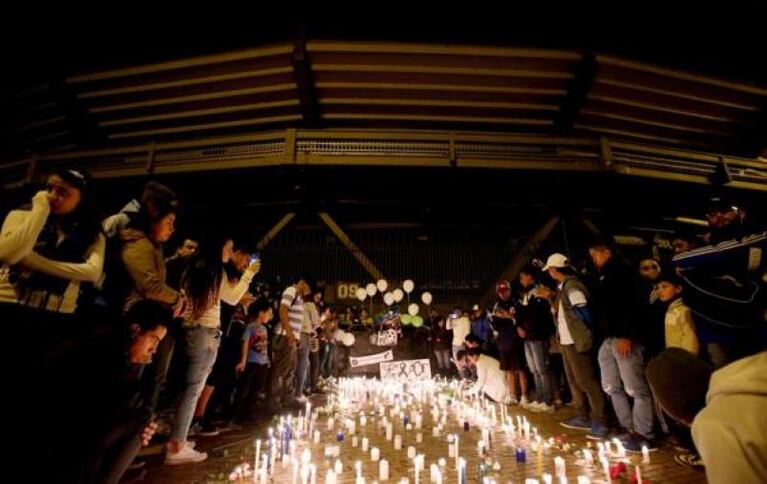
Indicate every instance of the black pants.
{"type": "Point", "coordinates": [314, 371]}
{"type": "Point", "coordinates": [251, 383]}
{"type": "Point", "coordinates": [114, 450]}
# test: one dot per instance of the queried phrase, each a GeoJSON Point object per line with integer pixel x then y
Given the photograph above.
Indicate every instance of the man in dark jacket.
{"type": "Point", "coordinates": [622, 354]}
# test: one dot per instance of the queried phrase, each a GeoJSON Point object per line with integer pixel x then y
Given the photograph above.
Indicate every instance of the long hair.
{"type": "Point", "coordinates": [203, 276]}
{"type": "Point", "coordinates": [84, 219]}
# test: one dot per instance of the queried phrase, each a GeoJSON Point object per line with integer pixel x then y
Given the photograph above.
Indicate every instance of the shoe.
{"type": "Point", "coordinates": [191, 444]}
{"type": "Point", "coordinates": [510, 401]}
{"type": "Point", "coordinates": [597, 432]}
{"type": "Point", "coordinates": [137, 464]}
{"type": "Point", "coordinates": [194, 429]}
{"type": "Point", "coordinates": [635, 443]}
{"type": "Point", "coordinates": [544, 408]}
{"type": "Point", "coordinates": [208, 430]}
{"type": "Point", "coordinates": [523, 402]}
{"type": "Point", "coordinates": [577, 423]}
{"type": "Point", "coordinates": [184, 456]}
{"type": "Point", "coordinates": [302, 399]}
{"type": "Point", "coordinates": [294, 404]}
{"type": "Point", "coordinates": [690, 460]}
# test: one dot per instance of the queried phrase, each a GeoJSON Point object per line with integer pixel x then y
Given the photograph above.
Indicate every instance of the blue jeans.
{"type": "Point", "coordinates": [328, 363]}
{"type": "Point", "coordinates": [537, 356]}
{"type": "Point", "coordinates": [443, 359]}
{"type": "Point", "coordinates": [201, 349]}
{"type": "Point", "coordinates": [623, 378]}
{"type": "Point", "coordinates": [303, 363]}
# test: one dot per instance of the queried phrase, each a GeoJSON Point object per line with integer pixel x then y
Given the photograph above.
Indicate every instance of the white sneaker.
{"type": "Point", "coordinates": [523, 402]}
{"type": "Point", "coordinates": [509, 400]}
{"type": "Point", "coordinates": [302, 399]}
{"type": "Point", "coordinates": [544, 408]}
{"type": "Point", "coordinates": [186, 455]}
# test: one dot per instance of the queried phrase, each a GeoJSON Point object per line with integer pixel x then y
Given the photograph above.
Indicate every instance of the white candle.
{"type": "Point", "coordinates": [638, 475]}
{"type": "Point", "coordinates": [559, 467]}
{"type": "Point", "coordinates": [338, 467]}
{"type": "Point", "coordinates": [363, 421]}
{"type": "Point", "coordinates": [645, 455]}
{"type": "Point", "coordinates": [584, 480]}
{"type": "Point", "coordinates": [418, 421]}
{"type": "Point", "coordinates": [306, 457]}
{"type": "Point", "coordinates": [295, 472]}
{"type": "Point", "coordinates": [457, 454]}
{"type": "Point", "coordinates": [365, 444]}
{"type": "Point", "coordinates": [547, 479]}
{"type": "Point", "coordinates": [411, 452]}
{"type": "Point", "coordinates": [418, 438]}
{"type": "Point", "coordinates": [262, 476]}
{"type": "Point", "coordinates": [355, 441]}
{"type": "Point", "coordinates": [330, 477]}
{"type": "Point", "coordinates": [375, 454]}
{"type": "Point", "coordinates": [621, 451]}
{"type": "Point", "coordinates": [256, 461]}
{"type": "Point", "coordinates": [587, 457]}
{"type": "Point", "coordinates": [529, 480]}
{"type": "Point", "coordinates": [316, 436]}
{"type": "Point", "coordinates": [389, 430]}
{"type": "Point", "coordinates": [312, 474]}
{"type": "Point", "coordinates": [383, 470]}
{"type": "Point", "coordinates": [358, 467]}
{"type": "Point", "coordinates": [397, 442]}
{"type": "Point", "coordinates": [442, 462]}
{"type": "Point", "coordinates": [418, 465]}
{"type": "Point", "coordinates": [331, 422]}
{"type": "Point", "coordinates": [435, 431]}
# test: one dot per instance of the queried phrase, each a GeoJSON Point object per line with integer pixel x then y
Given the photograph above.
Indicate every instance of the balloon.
{"type": "Point", "coordinates": [426, 298]}
{"type": "Point", "coordinates": [361, 294]}
{"type": "Point", "coordinates": [382, 285]}
{"type": "Point", "coordinates": [417, 321]}
{"type": "Point", "coordinates": [413, 309]}
{"type": "Point", "coordinates": [388, 298]}
{"type": "Point", "coordinates": [406, 319]}
{"type": "Point", "coordinates": [348, 339]}
{"type": "Point", "coordinates": [408, 286]}
{"type": "Point", "coordinates": [338, 335]}
{"type": "Point", "coordinates": [398, 295]}
{"type": "Point", "coordinates": [370, 289]}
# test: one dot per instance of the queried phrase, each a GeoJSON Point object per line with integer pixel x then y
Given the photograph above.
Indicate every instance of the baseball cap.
{"type": "Point", "coordinates": [556, 260]}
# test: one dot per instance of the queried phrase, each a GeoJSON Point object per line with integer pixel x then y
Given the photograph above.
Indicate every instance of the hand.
{"type": "Point", "coordinates": [246, 299]}
{"type": "Point", "coordinates": [180, 306]}
{"type": "Point", "coordinates": [255, 266]}
{"type": "Point", "coordinates": [240, 367]}
{"type": "Point", "coordinates": [43, 196]}
{"type": "Point", "coordinates": [291, 337]}
{"type": "Point", "coordinates": [148, 433]}
{"type": "Point", "coordinates": [623, 347]}
{"type": "Point", "coordinates": [522, 333]}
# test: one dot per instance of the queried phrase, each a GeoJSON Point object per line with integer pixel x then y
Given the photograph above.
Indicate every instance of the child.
{"type": "Point", "coordinates": [679, 325]}
{"type": "Point", "coordinates": [254, 359]}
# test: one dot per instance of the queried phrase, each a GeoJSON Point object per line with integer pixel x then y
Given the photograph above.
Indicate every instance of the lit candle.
{"type": "Point", "coordinates": [358, 467]}
{"type": "Point", "coordinates": [529, 480]}
{"type": "Point", "coordinates": [397, 442]}
{"type": "Point", "coordinates": [645, 455]}
{"type": "Point", "coordinates": [559, 467]}
{"type": "Point", "coordinates": [330, 477]}
{"type": "Point", "coordinates": [316, 436]}
{"type": "Point", "coordinates": [621, 451]}
{"type": "Point", "coordinates": [587, 457]}
{"type": "Point", "coordinates": [547, 479]}
{"type": "Point", "coordinates": [375, 454]}
{"type": "Point", "coordinates": [457, 454]}
{"type": "Point", "coordinates": [256, 461]}
{"type": "Point", "coordinates": [338, 467]}
{"type": "Point", "coordinates": [363, 421]}
{"type": "Point", "coordinates": [331, 422]}
{"type": "Point", "coordinates": [312, 474]}
{"type": "Point", "coordinates": [462, 471]}
{"type": "Point", "coordinates": [355, 441]}
{"type": "Point", "coordinates": [389, 430]}
{"type": "Point", "coordinates": [262, 476]}
{"type": "Point", "coordinates": [383, 470]}
{"type": "Point", "coordinates": [435, 431]}
{"type": "Point", "coordinates": [584, 480]}
{"type": "Point", "coordinates": [365, 444]}
{"type": "Point", "coordinates": [411, 452]}
{"type": "Point", "coordinates": [295, 472]}
{"type": "Point", "coordinates": [418, 465]}
{"type": "Point", "coordinates": [418, 438]}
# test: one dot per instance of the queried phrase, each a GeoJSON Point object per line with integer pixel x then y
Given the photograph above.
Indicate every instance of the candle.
{"type": "Point", "coordinates": [262, 476]}
{"type": "Point", "coordinates": [435, 431]}
{"type": "Point", "coordinates": [638, 475]}
{"type": "Point", "coordinates": [587, 457]}
{"type": "Point", "coordinates": [480, 448]}
{"type": "Point", "coordinates": [411, 452]}
{"type": "Point", "coordinates": [418, 438]}
{"type": "Point", "coordinates": [331, 422]}
{"type": "Point", "coordinates": [330, 477]}
{"type": "Point", "coordinates": [355, 441]}
{"type": "Point", "coordinates": [295, 473]}
{"type": "Point", "coordinates": [559, 467]}
{"type": "Point", "coordinates": [547, 479]}
{"type": "Point", "coordinates": [418, 421]}
{"type": "Point", "coordinates": [418, 465]}
{"type": "Point", "coordinates": [389, 431]}
{"type": "Point", "coordinates": [363, 421]}
{"type": "Point", "coordinates": [316, 436]}
{"type": "Point", "coordinates": [312, 474]}
{"type": "Point", "coordinates": [358, 467]}
{"type": "Point", "coordinates": [530, 481]}
{"type": "Point", "coordinates": [456, 452]}
{"type": "Point", "coordinates": [442, 462]}
{"type": "Point", "coordinates": [375, 454]}
{"type": "Point", "coordinates": [256, 461]}
{"type": "Point", "coordinates": [645, 455]}
{"type": "Point", "coordinates": [584, 480]}
{"type": "Point", "coordinates": [383, 470]}
{"type": "Point", "coordinates": [621, 451]}
{"type": "Point", "coordinates": [397, 442]}
{"type": "Point", "coordinates": [338, 467]}
{"type": "Point", "coordinates": [365, 443]}
{"type": "Point", "coordinates": [462, 471]}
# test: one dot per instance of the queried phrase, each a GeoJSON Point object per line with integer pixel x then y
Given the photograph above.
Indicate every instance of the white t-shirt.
{"type": "Point", "coordinates": [461, 328]}
{"type": "Point", "coordinates": [576, 298]}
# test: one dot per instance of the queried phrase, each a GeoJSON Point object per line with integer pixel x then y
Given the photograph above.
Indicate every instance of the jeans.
{"type": "Point", "coordinates": [314, 371]}
{"type": "Point", "coordinates": [443, 359]}
{"type": "Point", "coordinates": [303, 363]}
{"type": "Point", "coordinates": [623, 378]}
{"type": "Point", "coordinates": [201, 349]}
{"type": "Point", "coordinates": [327, 365]}
{"type": "Point", "coordinates": [537, 355]}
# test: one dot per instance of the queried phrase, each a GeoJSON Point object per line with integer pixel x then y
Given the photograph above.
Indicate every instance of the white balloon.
{"type": "Point", "coordinates": [361, 293]}
{"type": "Point", "coordinates": [398, 295]}
{"type": "Point", "coordinates": [370, 289]}
{"type": "Point", "coordinates": [338, 335]}
{"type": "Point", "coordinates": [408, 286]}
{"type": "Point", "coordinates": [348, 339]}
{"type": "Point", "coordinates": [426, 298]}
{"type": "Point", "coordinates": [382, 285]}
{"type": "Point", "coordinates": [413, 309]}
{"type": "Point", "coordinates": [388, 298]}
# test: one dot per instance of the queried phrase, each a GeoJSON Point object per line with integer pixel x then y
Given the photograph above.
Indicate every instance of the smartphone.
{"type": "Point", "coordinates": [256, 256]}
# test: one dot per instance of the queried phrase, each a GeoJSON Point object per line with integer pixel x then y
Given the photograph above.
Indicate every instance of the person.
{"type": "Point", "coordinates": [491, 379]}
{"type": "Point", "coordinates": [282, 389]}
{"type": "Point", "coordinates": [461, 327]}
{"type": "Point", "coordinates": [441, 339]}
{"type": "Point", "coordinates": [729, 431]}
{"type": "Point", "coordinates": [253, 367]}
{"type": "Point", "coordinates": [622, 353]}
{"type": "Point", "coordinates": [205, 285]}
{"type": "Point", "coordinates": [679, 325]}
{"type": "Point", "coordinates": [482, 327]}
{"type": "Point", "coordinates": [574, 332]}
{"type": "Point", "coordinates": [510, 345]}
{"type": "Point", "coordinates": [311, 320]}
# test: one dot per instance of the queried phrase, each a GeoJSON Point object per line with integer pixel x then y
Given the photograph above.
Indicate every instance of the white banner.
{"type": "Point", "coordinates": [356, 361]}
{"type": "Point", "coordinates": [386, 338]}
{"type": "Point", "coordinates": [406, 369]}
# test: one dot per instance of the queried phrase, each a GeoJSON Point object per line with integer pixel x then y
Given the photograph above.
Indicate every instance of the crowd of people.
{"type": "Point", "coordinates": [102, 328]}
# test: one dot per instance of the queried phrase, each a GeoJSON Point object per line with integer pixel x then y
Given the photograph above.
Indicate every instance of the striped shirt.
{"type": "Point", "coordinates": [295, 305]}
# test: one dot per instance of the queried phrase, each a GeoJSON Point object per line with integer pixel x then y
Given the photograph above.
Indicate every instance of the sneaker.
{"type": "Point", "coordinates": [524, 402]}
{"type": "Point", "coordinates": [184, 456]}
{"type": "Point", "coordinates": [509, 400]}
{"type": "Point", "coordinates": [544, 408]}
{"type": "Point", "coordinates": [191, 444]}
{"type": "Point", "coordinates": [597, 432]}
{"type": "Point", "coordinates": [208, 430]}
{"type": "Point", "coordinates": [577, 423]}
{"type": "Point", "coordinates": [690, 460]}
{"type": "Point", "coordinates": [635, 443]}
{"type": "Point", "coordinates": [194, 429]}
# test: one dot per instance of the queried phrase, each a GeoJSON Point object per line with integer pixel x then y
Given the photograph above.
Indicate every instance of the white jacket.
{"type": "Point", "coordinates": [461, 328]}
{"type": "Point", "coordinates": [730, 433]}
{"type": "Point", "coordinates": [490, 379]}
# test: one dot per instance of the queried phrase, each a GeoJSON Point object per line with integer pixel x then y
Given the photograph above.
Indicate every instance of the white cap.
{"type": "Point", "coordinates": [475, 307]}
{"type": "Point", "coordinates": [556, 260]}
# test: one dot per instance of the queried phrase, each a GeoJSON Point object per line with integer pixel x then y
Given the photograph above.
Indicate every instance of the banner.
{"type": "Point", "coordinates": [406, 369]}
{"type": "Point", "coordinates": [356, 361]}
{"type": "Point", "coordinates": [386, 338]}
